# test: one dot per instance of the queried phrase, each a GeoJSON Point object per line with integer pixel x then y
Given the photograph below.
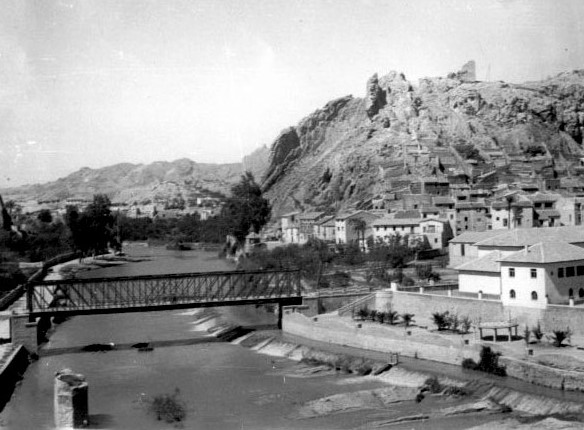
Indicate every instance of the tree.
{"type": "Point", "coordinates": [246, 209]}
{"type": "Point", "coordinates": [359, 225]}
{"type": "Point", "coordinates": [45, 216]}
{"type": "Point", "coordinates": [93, 229]}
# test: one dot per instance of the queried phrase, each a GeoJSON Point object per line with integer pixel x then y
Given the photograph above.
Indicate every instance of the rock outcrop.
{"type": "Point", "coordinates": [354, 149]}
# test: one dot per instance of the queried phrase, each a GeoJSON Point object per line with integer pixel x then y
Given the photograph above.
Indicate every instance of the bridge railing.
{"type": "Point", "coordinates": [157, 290]}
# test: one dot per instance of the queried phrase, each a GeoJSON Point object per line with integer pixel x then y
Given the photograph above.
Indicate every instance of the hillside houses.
{"type": "Point", "coordinates": [431, 216]}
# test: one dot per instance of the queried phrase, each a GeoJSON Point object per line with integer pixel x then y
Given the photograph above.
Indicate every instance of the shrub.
{"type": "Point", "coordinates": [407, 281]}
{"type": "Point", "coordinates": [469, 363]}
{"type": "Point", "coordinates": [373, 315]}
{"type": "Point", "coordinates": [381, 317]}
{"type": "Point", "coordinates": [453, 322]}
{"type": "Point", "coordinates": [391, 317]}
{"type": "Point", "coordinates": [168, 407]}
{"type": "Point", "coordinates": [455, 391]}
{"type": "Point", "coordinates": [526, 334]}
{"type": "Point", "coordinates": [433, 385]}
{"type": "Point", "coordinates": [441, 319]}
{"type": "Point", "coordinates": [407, 319]}
{"type": "Point", "coordinates": [489, 362]}
{"type": "Point", "coordinates": [465, 324]}
{"type": "Point", "coordinates": [559, 336]}
{"type": "Point", "coordinates": [363, 313]}
{"type": "Point", "coordinates": [537, 332]}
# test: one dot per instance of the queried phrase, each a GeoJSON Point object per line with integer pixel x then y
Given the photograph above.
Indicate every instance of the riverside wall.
{"type": "Point", "coordinates": [12, 367]}
{"type": "Point", "coordinates": [424, 305]}
{"type": "Point", "coordinates": [372, 337]}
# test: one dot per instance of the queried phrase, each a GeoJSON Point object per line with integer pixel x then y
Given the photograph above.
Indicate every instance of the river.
{"type": "Point", "coordinates": [225, 386]}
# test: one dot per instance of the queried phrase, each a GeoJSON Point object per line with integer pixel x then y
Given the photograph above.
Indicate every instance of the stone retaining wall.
{"type": "Point", "coordinates": [11, 370]}
{"type": "Point", "coordinates": [370, 337]}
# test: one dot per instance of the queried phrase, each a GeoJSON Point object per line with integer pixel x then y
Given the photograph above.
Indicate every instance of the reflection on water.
{"type": "Point", "coordinates": [225, 386]}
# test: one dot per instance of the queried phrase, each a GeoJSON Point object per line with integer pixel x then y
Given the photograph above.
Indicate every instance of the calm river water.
{"type": "Point", "coordinates": [225, 386]}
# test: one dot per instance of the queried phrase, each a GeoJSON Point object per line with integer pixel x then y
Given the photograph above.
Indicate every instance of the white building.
{"type": "Point", "coordinates": [345, 231]}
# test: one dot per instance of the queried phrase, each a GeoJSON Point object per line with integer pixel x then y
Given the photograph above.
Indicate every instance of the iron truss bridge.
{"type": "Point", "coordinates": [160, 292]}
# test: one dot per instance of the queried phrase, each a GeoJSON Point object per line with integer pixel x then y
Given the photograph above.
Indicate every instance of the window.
{"type": "Point", "coordinates": [533, 273]}
{"type": "Point", "coordinates": [465, 218]}
{"type": "Point", "coordinates": [571, 292]}
{"type": "Point", "coordinates": [505, 222]}
{"type": "Point", "coordinates": [497, 219]}
{"type": "Point", "coordinates": [512, 294]}
{"type": "Point", "coordinates": [462, 249]}
{"type": "Point", "coordinates": [435, 240]}
{"type": "Point", "coordinates": [560, 272]}
{"type": "Point", "coordinates": [570, 271]}
{"type": "Point", "coordinates": [581, 293]}
{"type": "Point", "coordinates": [533, 295]}
{"type": "Point", "coordinates": [511, 272]}
{"type": "Point", "coordinates": [580, 270]}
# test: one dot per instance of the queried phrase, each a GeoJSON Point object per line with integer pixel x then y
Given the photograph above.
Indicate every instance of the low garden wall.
{"type": "Point", "coordinates": [374, 337]}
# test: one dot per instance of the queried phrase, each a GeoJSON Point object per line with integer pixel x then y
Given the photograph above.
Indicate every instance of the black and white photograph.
{"type": "Point", "coordinates": [292, 214]}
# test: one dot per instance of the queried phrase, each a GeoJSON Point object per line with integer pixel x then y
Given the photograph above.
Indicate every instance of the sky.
{"type": "Point", "coordinates": [90, 83]}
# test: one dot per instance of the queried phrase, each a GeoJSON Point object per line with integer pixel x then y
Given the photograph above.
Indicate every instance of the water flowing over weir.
{"type": "Point", "coordinates": [229, 378]}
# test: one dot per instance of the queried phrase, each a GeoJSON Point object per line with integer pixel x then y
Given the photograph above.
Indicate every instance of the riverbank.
{"type": "Point", "coordinates": [471, 397]}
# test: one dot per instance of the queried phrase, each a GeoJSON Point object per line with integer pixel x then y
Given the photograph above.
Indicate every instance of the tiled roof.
{"type": "Point", "coordinates": [327, 220]}
{"type": "Point", "coordinates": [407, 214]}
{"type": "Point", "coordinates": [470, 205]}
{"type": "Point", "coordinates": [531, 236]}
{"type": "Point", "coordinates": [477, 236]}
{"type": "Point", "coordinates": [543, 198]}
{"type": "Point", "coordinates": [430, 209]}
{"type": "Point", "coordinates": [439, 200]}
{"type": "Point", "coordinates": [387, 221]}
{"type": "Point", "coordinates": [546, 252]}
{"type": "Point", "coordinates": [487, 263]}
{"type": "Point", "coordinates": [290, 214]}
{"type": "Point", "coordinates": [310, 215]}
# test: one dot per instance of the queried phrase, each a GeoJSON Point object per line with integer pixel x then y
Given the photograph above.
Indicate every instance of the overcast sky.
{"type": "Point", "coordinates": [98, 82]}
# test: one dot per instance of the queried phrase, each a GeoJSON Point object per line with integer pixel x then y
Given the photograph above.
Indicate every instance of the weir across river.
{"type": "Point", "coordinates": [71, 297]}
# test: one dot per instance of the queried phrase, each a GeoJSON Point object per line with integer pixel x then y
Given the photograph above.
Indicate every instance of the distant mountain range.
{"type": "Point", "coordinates": [128, 183]}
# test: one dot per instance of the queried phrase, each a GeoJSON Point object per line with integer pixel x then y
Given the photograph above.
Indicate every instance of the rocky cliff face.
{"type": "Point", "coordinates": [354, 149]}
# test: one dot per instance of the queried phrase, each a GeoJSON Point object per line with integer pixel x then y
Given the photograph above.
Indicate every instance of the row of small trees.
{"type": "Point", "coordinates": [451, 321]}
{"type": "Point", "coordinates": [390, 317]}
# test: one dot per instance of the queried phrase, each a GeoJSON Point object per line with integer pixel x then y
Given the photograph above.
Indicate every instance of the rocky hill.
{"type": "Point", "coordinates": [162, 181]}
{"type": "Point", "coordinates": [354, 149]}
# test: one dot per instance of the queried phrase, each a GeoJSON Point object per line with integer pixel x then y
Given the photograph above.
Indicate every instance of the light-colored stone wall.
{"type": "Point", "coordinates": [373, 337]}
{"type": "Point", "coordinates": [473, 282]}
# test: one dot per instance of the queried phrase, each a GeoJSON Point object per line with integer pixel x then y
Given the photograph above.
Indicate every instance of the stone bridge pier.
{"type": "Point", "coordinates": [27, 333]}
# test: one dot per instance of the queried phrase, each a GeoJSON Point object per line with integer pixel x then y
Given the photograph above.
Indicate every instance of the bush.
{"type": "Point", "coordinates": [168, 407]}
{"type": "Point", "coordinates": [452, 390]}
{"type": "Point", "coordinates": [453, 322]}
{"type": "Point", "coordinates": [407, 319]}
{"type": "Point", "coordinates": [391, 317]}
{"type": "Point", "coordinates": [433, 385]}
{"type": "Point", "coordinates": [559, 336]}
{"type": "Point", "coordinates": [537, 331]}
{"type": "Point", "coordinates": [407, 281]}
{"type": "Point", "coordinates": [489, 362]}
{"type": "Point", "coordinates": [363, 313]}
{"type": "Point", "coordinates": [469, 363]}
{"type": "Point", "coordinates": [442, 320]}
{"type": "Point", "coordinates": [465, 325]}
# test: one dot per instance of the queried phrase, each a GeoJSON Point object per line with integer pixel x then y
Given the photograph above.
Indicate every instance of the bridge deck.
{"type": "Point", "coordinates": [158, 292]}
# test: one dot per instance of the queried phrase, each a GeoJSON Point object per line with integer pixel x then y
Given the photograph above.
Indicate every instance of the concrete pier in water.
{"type": "Point", "coordinates": [71, 400]}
